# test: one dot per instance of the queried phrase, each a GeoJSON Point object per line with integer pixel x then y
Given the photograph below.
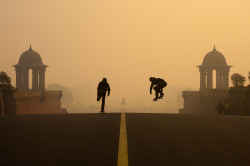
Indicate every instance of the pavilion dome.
{"type": "Point", "coordinates": [30, 57]}
{"type": "Point", "coordinates": [214, 58]}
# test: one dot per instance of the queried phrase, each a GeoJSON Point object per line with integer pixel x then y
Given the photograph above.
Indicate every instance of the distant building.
{"type": "Point", "coordinates": [30, 60]}
{"type": "Point", "coordinates": [214, 60]}
{"type": "Point", "coordinates": [204, 101]}
{"type": "Point", "coordinates": [36, 100]}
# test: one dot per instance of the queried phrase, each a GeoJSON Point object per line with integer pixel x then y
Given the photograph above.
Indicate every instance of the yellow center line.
{"type": "Point", "coordinates": [123, 145]}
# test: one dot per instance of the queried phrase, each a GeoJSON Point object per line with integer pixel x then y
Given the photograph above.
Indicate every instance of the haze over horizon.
{"type": "Point", "coordinates": [125, 41]}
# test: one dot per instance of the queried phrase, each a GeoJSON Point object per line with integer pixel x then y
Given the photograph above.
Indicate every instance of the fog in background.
{"type": "Point", "coordinates": [126, 42]}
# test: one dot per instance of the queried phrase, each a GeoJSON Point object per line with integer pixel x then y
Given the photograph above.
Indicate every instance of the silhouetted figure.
{"type": "Point", "coordinates": [227, 108]}
{"type": "Point", "coordinates": [220, 108]}
{"type": "Point", "coordinates": [102, 88]}
{"type": "Point", "coordinates": [158, 85]}
{"type": "Point", "coordinates": [123, 104]}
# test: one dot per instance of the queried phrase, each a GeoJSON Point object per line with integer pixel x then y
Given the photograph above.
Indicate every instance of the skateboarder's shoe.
{"type": "Point", "coordinates": [155, 99]}
{"type": "Point", "coordinates": [161, 96]}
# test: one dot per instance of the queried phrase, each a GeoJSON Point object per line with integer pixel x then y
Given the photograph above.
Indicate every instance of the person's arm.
{"type": "Point", "coordinates": [108, 90]}
{"type": "Point", "coordinates": [98, 88]}
{"type": "Point", "coordinates": [151, 88]}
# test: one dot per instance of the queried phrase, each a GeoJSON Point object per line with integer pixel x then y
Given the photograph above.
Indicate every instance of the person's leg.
{"type": "Point", "coordinates": [156, 94]}
{"type": "Point", "coordinates": [98, 97]}
{"type": "Point", "coordinates": [161, 89]}
{"type": "Point", "coordinates": [156, 88]}
{"type": "Point", "coordinates": [103, 102]}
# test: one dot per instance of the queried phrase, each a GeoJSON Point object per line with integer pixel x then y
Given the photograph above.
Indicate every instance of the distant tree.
{"type": "Point", "coordinates": [238, 80]}
{"type": "Point", "coordinates": [5, 81]}
{"type": "Point", "coordinates": [67, 95]}
{"type": "Point", "coordinates": [249, 76]}
{"type": "Point", "coordinates": [4, 78]}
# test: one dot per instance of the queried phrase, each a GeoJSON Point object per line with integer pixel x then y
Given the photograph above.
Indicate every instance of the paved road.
{"type": "Point", "coordinates": [153, 139]}
{"type": "Point", "coordinates": [172, 140]}
{"type": "Point", "coordinates": [63, 140]}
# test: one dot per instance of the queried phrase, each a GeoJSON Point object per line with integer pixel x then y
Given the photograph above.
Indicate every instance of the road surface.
{"type": "Point", "coordinates": [152, 139]}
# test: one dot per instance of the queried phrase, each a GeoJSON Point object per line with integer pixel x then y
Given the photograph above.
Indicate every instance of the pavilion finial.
{"type": "Point", "coordinates": [30, 47]}
{"type": "Point", "coordinates": [214, 48]}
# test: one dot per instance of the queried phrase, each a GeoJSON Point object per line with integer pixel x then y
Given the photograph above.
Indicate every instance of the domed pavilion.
{"type": "Point", "coordinates": [214, 60]}
{"type": "Point", "coordinates": [30, 60]}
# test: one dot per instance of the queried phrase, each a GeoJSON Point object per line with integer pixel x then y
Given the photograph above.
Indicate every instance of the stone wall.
{"type": "Point", "coordinates": [9, 102]}
{"type": "Point", "coordinates": [1, 104]}
{"type": "Point", "coordinates": [203, 102]}
{"type": "Point", "coordinates": [240, 101]}
{"type": "Point", "coordinates": [32, 102]}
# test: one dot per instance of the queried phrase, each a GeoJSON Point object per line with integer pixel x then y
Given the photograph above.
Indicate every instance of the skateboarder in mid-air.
{"type": "Point", "coordinates": [158, 85]}
{"type": "Point", "coordinates": [102, 88]}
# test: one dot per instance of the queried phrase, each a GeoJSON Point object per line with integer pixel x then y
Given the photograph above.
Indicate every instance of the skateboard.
{"type": "Point", "coordinates": [155, 99]}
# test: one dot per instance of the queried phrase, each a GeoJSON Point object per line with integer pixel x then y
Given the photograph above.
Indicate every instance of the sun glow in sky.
{"type": "Point", "coordinates": [126, 41]}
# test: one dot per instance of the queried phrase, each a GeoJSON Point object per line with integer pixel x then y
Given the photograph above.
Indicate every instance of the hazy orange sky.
{"type": "Point", "coordinates": [126, 41]}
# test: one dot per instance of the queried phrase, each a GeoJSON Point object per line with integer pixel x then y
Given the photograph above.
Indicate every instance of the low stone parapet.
{"type": "Point", "coordinates": [32, 102]}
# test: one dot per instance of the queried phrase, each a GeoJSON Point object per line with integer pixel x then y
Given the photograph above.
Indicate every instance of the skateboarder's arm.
{"type": "Point", "coordinates": [108, 90]}
{"type": "Point", "coordinates": [98, 87]}
{"type": "Point", "coordinates": [151, 88]}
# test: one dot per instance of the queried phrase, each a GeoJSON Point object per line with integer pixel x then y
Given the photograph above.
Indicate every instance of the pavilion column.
{"type": "Point", "coordinates": [19, 79]}
{"type": "Point", "coordinates": [217, 79]}
{"type": "Point", "coordinates": [35, 79]}
{"type": "Point", "coordinates": [226, 80]}
{"type": "Point", "coordinates": [209, 79]}
{"type": "Point", "coordinates": [42, 78]}
{"type": "Point", "coordinates": [220, 80]}
{"type": "Point", "coordinates": [25, 79]}
{"type": "Point", "coordinates": [202, 79]}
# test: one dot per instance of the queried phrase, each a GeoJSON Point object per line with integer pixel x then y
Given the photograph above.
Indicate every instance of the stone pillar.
{"type": "Point", "coordinates": [19, 78]}
{"type": "Point", "coordinates": [202, 79]}
{"type": "Point", "coordinates": [220, 80]}
{"type": "Point", "coordinates": [217, 79]}
{"type": "Point", "coordinates": [35, 79]}
{"type": "Point", "coordinates": [209, 79]}
{"type": "Point", "coordinates": [226, 80]}
{"type": "Point", "coordinates": [25, 80]}
{"type": "Point", "coordinates": [42, 78]}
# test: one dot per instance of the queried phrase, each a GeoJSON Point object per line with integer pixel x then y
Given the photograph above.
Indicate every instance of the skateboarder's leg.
{"type": "Point", "coordinates": [161, 92]}
{"type": "Point", "coordinates": [156, 94]}
{"type": "Point", "coordinates": [103, 102]}
{"type": "Point", "coordinates": [157, 90]}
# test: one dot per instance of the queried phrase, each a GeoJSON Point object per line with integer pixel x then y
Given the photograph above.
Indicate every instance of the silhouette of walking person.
{"type": "Point", "coordinates": [158, 84]}
{"type": "Point", "coordinates": [220, 107]}
{"type": "Point", "coordinates": [123, 104]}
{"type": "Point", "coordinates": [102, 89]}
